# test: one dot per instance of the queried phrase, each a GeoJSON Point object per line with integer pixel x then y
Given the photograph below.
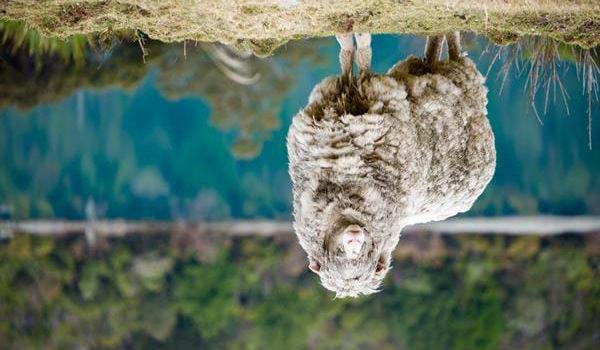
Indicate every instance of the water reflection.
{"type": "Point", "coordinates": [139, 154]}
{"type": "Point", "coordinates": [371, 154]}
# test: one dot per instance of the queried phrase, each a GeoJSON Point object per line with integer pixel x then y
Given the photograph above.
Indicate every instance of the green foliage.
{"type": "Point", "coordinates": [463, 315]}
{"type": "Point", "coordinates": [19, 37]}
{"type": "Point", "coordinates": [48, 70]}
{"type": "Point", "coordinates": [207, 294]}
{"type": "Point", "coordinates": [479, 292]}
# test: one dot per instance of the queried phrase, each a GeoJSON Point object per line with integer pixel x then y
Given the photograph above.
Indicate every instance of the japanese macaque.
{"type": "Point", "coordinates": [373, 153]}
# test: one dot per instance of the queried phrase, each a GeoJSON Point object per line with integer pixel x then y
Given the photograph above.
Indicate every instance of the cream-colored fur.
{"type": "Point", "coordinates": [386, 151]}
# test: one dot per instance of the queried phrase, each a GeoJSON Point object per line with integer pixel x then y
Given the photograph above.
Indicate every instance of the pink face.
{"type": "Point", "coordinates": [349, 243]}
{"type": "Point", "coordinates": [352, 240]}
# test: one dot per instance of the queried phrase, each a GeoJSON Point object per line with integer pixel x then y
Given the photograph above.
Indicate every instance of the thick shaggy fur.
{"type": "Point", "coordinates": [386, 151]}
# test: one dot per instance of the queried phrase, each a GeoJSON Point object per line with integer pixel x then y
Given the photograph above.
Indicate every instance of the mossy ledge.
{"type": "Point", "coordinates": [262, 26]}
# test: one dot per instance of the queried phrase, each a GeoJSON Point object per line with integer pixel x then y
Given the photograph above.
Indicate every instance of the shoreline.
{"type": "Point", "coordinates": [507, 225]}
{"type": "Point", "coordinates": [262, 27]}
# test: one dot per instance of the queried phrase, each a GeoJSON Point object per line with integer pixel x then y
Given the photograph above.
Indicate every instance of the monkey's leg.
{"type": "Point", "coordinates": [346, 53]}
{"type": "Point", "coordinates": [363, 52]}
{"type": "Point", "coordinates": [433, 49]}
{"type": "Point", "coordinates": [454, 49]}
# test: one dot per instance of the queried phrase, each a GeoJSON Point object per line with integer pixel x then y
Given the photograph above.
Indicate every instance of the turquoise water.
{"type": "Point", "coordinates": [175, 138]}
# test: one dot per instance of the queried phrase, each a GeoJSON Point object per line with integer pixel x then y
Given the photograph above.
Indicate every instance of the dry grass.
{"type": "Point", "coordinates": [588, 72]}
{"type": "Point", "coordinates": [263, 25]}
{"type": "Point", "coordinates": [539, 60]}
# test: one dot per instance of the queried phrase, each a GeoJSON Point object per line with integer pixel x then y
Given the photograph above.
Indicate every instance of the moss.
{"type": "Point", "coordinates": [262, 25]}
{"type": "Point", "coordinates": [503, 38]}
{"type": "Point", "coordinates": [49, 23]}
{"type": "Point", "coordinates": [75, 13]}
{"type": "Point", "coordinates": [261, 48]}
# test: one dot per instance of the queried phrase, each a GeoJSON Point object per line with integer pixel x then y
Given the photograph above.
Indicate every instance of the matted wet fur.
{"type": "Point", "coordinates": [383, 152]}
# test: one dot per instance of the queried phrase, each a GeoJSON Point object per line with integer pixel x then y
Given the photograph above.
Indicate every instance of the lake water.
{"type": "Point", "coordinates": [175, 138]}
{"type": "Point", "coordinates": [178, 136]}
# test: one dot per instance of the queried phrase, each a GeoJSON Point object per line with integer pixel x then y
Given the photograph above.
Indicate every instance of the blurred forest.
{"type": "Point", "coordinates": [143, 129]}
{"type": "Point", "coordinates": [188, 292]}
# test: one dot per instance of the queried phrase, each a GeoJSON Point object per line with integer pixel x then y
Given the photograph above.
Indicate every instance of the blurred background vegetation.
{"type": "Point", "coordinates": [38, 69]}
{"type": "Point", "coordinates": [177, 291]}
{"type": "Point", "coordinates": [144, 129]}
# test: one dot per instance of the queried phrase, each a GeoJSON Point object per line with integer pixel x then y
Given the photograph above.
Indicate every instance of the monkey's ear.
{"type": "Point", "coordinates": [314, 266]}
